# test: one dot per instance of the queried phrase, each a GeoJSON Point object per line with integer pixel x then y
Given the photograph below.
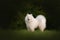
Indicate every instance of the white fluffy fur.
{"type": "Point", "coordinates": [32, 23]}
{"type": "Point", "coordinates": [42, 22]}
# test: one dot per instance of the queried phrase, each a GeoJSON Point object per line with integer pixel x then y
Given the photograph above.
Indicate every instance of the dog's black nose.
{"type": "Point", "coordinates": [28, 19]}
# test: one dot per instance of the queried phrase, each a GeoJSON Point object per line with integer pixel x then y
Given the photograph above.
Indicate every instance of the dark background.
{"type": "Point", "coordinates": [13, 12]}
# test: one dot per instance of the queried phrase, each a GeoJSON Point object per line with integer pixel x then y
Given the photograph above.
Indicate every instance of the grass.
{"type": "Point", "coordinates": [25, 35]}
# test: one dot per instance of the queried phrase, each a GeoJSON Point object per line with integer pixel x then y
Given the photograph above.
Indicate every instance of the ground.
{"type": "Point", "coordinates": [25, 35]}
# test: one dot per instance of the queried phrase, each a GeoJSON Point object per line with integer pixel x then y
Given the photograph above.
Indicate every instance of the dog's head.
{"type": "Point", "coordinates": [29, 17]}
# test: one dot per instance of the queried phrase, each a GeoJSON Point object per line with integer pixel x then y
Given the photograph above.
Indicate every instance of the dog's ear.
{"type": "Point", "coordinates": [27, 13]}
{"type": "Point", "coordinates": [30, 14]}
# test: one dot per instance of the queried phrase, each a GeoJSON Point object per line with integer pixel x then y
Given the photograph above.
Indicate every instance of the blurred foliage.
{"type": "Point", "coordinates": [23, 7]}
{"type": "Point", "coordinates": [13, 12]}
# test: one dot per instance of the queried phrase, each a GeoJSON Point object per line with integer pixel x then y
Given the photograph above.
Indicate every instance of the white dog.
{"type": "Point", "coordinates": [32, 23]}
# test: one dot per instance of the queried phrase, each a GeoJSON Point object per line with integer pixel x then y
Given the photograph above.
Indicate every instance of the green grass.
{"type": "Point", "coordinates": [25, 35]}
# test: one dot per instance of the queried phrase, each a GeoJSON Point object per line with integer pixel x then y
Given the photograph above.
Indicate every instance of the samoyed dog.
{"type": "Point", "coordinates": [33, 23]}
